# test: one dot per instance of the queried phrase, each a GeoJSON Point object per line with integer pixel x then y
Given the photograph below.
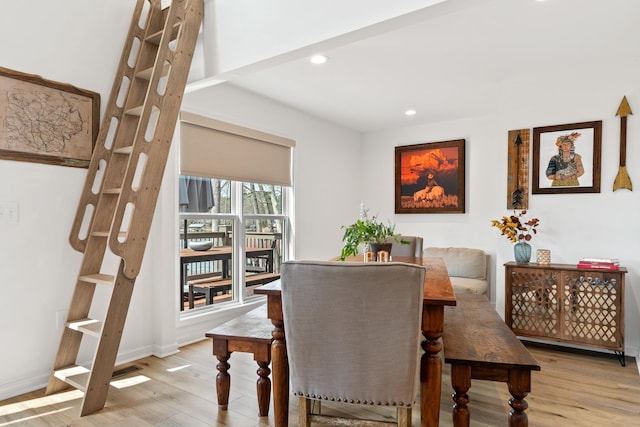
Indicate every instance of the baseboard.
{"type": "Point", "coordinates": [191, 330]}
{"type": "Point", "coordinates": [165, 350]}
{"type": "Point", "coordinates": [27, 385]}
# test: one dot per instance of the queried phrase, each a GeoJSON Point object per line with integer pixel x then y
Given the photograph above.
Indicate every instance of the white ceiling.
{"type": "Point", "coordinates": [449, 64]}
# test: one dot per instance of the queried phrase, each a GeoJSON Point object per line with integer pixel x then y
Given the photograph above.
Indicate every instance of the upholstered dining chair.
{"type": "Point", "coordinates": [414, 248]}
{"type": "Point", "coordinates": [353, 333]}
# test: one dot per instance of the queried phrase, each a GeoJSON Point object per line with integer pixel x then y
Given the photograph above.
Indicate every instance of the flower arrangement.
{"type": "Point", "coordinates": [516, 227]}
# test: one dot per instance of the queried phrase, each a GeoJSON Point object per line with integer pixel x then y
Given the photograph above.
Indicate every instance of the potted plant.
{"type": "Point", "coordinates": [368, 231]}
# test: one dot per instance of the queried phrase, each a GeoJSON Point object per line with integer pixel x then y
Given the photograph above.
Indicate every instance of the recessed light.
{"type": "Point", "coordinates": [410, 113]}
{"type": "Point", "coordinates": [318, 59]}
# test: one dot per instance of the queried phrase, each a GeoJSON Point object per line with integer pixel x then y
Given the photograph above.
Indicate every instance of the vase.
{"type": "Point", "coordinates": [522, 252]}
{"type": "Point", "coordinates": [379, 247]}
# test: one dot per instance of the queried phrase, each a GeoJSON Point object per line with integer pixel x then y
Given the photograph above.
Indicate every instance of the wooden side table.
{"type": "Point", "coordinates": [563, 303]}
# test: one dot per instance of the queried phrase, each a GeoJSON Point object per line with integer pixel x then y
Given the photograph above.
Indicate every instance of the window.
{"type": "Point", "coordinates": [232, 239]}
{"type": "Point", "coordinates": [233, 216]}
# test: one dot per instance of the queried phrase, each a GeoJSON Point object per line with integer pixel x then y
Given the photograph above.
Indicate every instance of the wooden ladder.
{"type": "Point", "coordinates": [121, 189]}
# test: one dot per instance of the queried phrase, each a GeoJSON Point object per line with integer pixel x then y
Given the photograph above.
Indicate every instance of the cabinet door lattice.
{"type": "Point", "coordinates": [534, 302]}
{"type": "Point", "coordinates": [591, 309]}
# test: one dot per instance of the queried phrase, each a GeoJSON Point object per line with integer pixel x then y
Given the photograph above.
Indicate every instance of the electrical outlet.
{"type": "Point", "coordinates": [8, 212]}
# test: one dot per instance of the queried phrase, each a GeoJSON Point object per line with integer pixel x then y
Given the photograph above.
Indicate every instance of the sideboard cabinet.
{"type": "Point", "coordinates": [562, 303]}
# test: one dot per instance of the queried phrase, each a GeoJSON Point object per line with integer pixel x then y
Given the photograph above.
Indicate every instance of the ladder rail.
{"type": "Point", "coordinates": [71, 339]}
{"type": "Point", "coordinates": [131, 247]}
{"type": "Point", "coordinates": [88, 197]}
{"type": "Point", "coordinates": [165, 51]}
{"type": "Point", "coordinates": [106, 352]}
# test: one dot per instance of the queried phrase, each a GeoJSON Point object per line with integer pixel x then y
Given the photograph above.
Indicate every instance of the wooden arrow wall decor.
{"type": "Point", "coordinates": [518, 169]}
{"type": "Point", "coordinates": [622, 179]}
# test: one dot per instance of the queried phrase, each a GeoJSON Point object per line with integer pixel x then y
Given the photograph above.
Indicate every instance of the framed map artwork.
{"type": "Point", "coordinates": [45, 121]}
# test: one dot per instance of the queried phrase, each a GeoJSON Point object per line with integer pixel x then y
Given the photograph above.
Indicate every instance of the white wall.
{"type": "Point", "coordinates": [44, 268]}
{"type": "Point", "coordinates": [80, 42]}
{"type": "Point", "coordinates": [572, 226]}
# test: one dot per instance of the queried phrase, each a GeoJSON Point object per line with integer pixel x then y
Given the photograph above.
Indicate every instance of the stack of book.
{"type": "Point", "coordinates": [599, 263]}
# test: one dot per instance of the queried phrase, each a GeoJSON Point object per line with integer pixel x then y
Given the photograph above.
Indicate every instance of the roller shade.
{"type": "Point", "coordinates": [216, 149]}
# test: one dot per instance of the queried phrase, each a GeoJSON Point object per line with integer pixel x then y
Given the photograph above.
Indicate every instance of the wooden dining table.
{"type": "Point", "coordinates": [438, 293]}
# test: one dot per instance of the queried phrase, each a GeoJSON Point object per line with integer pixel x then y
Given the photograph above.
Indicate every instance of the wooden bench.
{"type": "Point", "coordinates": [478, 344]}
{"type": "Point", "coordinates": [212, 287]}
{"type": "Point", "coordinates": [248, 333]}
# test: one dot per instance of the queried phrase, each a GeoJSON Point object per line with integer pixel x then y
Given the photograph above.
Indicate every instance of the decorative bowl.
{"type": "Point", "coordinates": [201, 246]}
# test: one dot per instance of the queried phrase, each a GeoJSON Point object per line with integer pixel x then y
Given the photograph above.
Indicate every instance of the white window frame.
{"type": "Point", "coordinates": [239, 244]}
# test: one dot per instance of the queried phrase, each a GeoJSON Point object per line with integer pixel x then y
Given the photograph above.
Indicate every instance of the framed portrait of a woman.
{"type": "Point", "coordinates": [566, 158]}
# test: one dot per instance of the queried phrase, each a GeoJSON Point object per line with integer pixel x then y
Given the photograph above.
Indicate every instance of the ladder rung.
{"type": "Point", "coordinates": [74, 375]}
{"type": "Point", "coordinates": [124, 150]}
{"type": "Point", "coordinates": [155, 37]}
{"type": "Point", "coordinates": [146, 73]}
{"type": "Point", "coordinates": [137, 111]}
{"type": "Point", "coordinates": [105, 279]}
{"type": "Point", "coordinates": [106, 234]}
{"type": "Point", "coordinates": [112, 191]}
{"type": "Point", "coordinates": [88, 326]}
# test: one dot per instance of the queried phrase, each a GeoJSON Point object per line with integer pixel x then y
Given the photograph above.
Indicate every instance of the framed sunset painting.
{"type": "Point", "coordinates": [430, 177]}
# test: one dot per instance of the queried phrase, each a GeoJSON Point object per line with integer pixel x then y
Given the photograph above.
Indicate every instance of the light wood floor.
{"type": "Point", "coordinates": [573, 389]}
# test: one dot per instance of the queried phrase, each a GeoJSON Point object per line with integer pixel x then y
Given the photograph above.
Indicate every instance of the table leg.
{"type": "Point", "coordinates": [431, 366]}
{"type": "Point", "coordinates": [191, 300]}
{"type": "Point", "coordinates": [225, 268]}
{"type": "Point", "coordinates": [519, 386]}
{"type": "Point", "coordinates": [263, 388]}
{"type": "Point", "coordinates": [461, 382]}
{"type": "Point", "coordinates": [280, 375]}
{"type": "Point", "coordinates": [223, 381]}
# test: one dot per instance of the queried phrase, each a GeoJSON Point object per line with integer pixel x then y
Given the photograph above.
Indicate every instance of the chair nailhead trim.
{"type": "Point", "coordinates": [347, 400]}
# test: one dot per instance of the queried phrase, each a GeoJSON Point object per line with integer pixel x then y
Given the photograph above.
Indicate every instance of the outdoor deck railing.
{"type": "Point", "coordinates": [220, 238]}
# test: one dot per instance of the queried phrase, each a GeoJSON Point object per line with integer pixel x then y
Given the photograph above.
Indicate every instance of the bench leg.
{"type": "Point", "coordinates": [519, 387]}
{"type": "Point", "coordinates": [461, 382]}
{"type": "Point", "coordinates": [223, 381]}
{"type": "Point", "coordinates": [263, 388]}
